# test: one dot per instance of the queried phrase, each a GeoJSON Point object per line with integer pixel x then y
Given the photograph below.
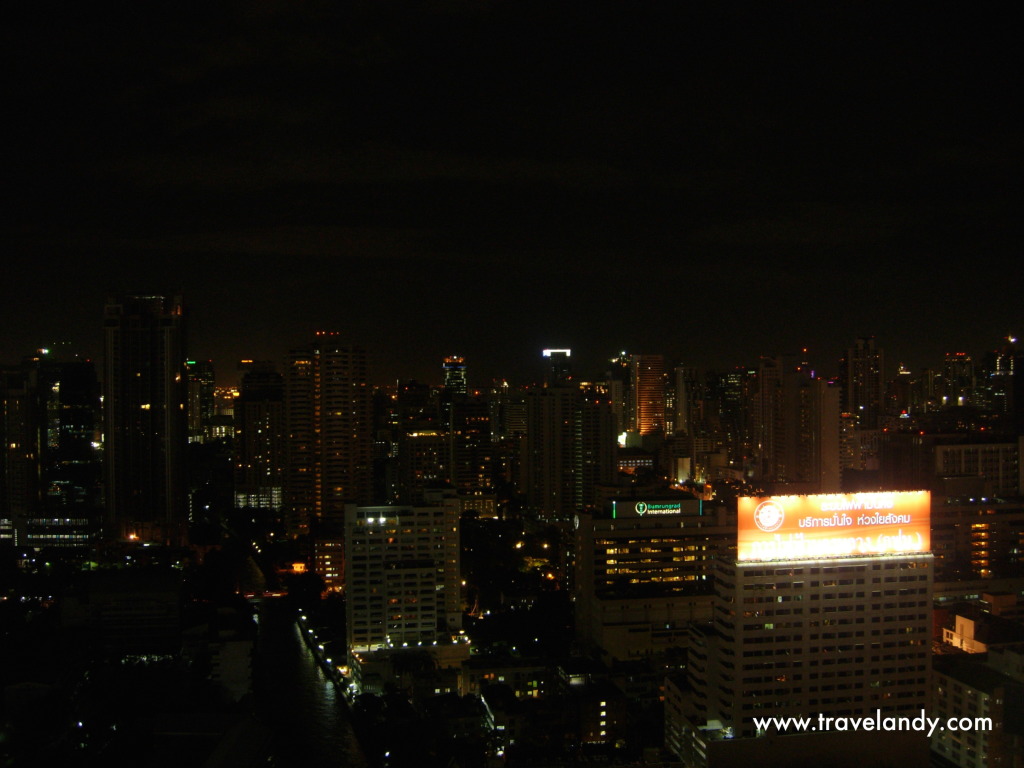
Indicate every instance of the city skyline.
{"type": "Point", "coordinates": [587, 364]}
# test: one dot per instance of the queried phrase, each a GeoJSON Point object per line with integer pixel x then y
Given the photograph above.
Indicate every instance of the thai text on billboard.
{"type": "Point", "coordinates": [833, 525]}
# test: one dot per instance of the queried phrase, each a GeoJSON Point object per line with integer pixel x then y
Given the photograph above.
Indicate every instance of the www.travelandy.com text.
{"type": "Point", "coordinates": [875, 722]}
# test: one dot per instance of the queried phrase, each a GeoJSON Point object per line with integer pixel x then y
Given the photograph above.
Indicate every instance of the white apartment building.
{"type": "Point", "coordinates": [402, 575]}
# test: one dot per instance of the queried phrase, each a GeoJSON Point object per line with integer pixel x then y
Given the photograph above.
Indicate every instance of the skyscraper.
{"type": "Point", "coordinates": [259, 438]}
{"type": "Point", "coordinates": [201, 382]}
{"type": "Point", "coordinates": [826, 609]}
{"type": "Point", "coordinates": [49, 463]}
{"type": "Point", "coordinates": [329, 444]}
{"type": "Point", "coordinates": [559, 370]}
{"type": "Point", "coordinates": [455, 382]}
{"type": "Point", "coordinates": [619, 385]}
{"type": "Point", "coordinates": [569, 447]}
{"type": "Point", "coordinates": [958, 380]}
{"type": "Point", "coordinates": [861, 372]}
{"type": "Point", "coordinates": [796, 428]}
{"type": "Point", "coordinates": [648, 374]}
{"type": "Point", "coordinates": [145, 430]}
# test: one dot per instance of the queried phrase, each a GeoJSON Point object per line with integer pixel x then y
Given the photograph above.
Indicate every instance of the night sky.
{"type": "Point", "coordinates": [491, 178]}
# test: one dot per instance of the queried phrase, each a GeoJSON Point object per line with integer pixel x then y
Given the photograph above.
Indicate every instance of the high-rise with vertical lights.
{"type": "Point", "coordinates": [454, 368]}
{"type": "Point", "coordinates": [329, 443]}
{"type": "Point", "coordinates": [145, 428]}
{"type": "Point", "coordinates": [648, 374]}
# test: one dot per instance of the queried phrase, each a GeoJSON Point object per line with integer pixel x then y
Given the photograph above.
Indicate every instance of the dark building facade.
{"type": "Point", "coordinates": [569, 448]}
{"type": "Point", "coordinates": [50, 473]}
{"type": "Point", "coordinates": [329, 442]}
{"type": "Point", "coordinates": [144, 407]}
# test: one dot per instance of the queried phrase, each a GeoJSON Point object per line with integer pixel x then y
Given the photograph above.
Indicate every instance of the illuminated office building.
{"type": "Point", "coordinates": [826, 609]}
{"type": "Point", "coordinates": [643, 572]}
{"type": "Point", "coordinates": [648, 381]}
{"type": "Point", "coordinates": [978, 538]}
{"type": "Point", "coordinates": [455, 381]}
{"type": "Point", "coordinates": [145, 429]}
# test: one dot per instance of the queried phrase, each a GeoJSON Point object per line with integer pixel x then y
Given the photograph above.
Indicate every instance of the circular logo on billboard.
{"type": "Point", "coordinates": [641, 507]}
{"type": "Point", "coordinates": [769, 516]}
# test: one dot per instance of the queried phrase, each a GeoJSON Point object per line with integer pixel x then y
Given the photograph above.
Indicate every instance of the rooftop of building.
{"type": "Point", "coordinates": [988, 628]}
{"type": "Point", "coordinates": [503, 661]}
{"type": "Point", "coordinates": [971, 670]}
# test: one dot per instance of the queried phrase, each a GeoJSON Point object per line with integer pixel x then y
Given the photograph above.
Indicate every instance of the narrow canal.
{"type": "Point", "coordinates": [308, 718]}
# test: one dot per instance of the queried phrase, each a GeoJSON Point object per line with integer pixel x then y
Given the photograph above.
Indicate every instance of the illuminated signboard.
{"type": "Point", "coordinates": [649, 508]}
{"type": "Point", "coordinates": [833, 525]}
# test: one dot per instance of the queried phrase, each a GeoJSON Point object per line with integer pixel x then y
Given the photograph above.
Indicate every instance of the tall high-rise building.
{"type": "Point", "coordinates": [826, 609]}
{"type": "Point", "coordinates": [862, 375]}
{"type": "Point", "coordinates": [329, 443]}
{"type": "Point", "coordinates": [796, 428]}
{"type": "Point", "coordinates": [422, 465]}
{"type": "Point", "coordinates": [201, 383]}
{"type": "Point", "coordinates": [686, 396]}
{"type": "Point", "coordinates": [259, 432]}
{"type": "Point", "coordinates": [19, 477]}
{"type": "Point", "coordinates": [618, 381]}
{"type": "Point", "coordinates": [648, 378]}
{"type": "Point", "coordinates": [559, 368]}
{"type": "Point", "coordinates": [569, 447]}
{"type": "Point", "coordinates": [455, 381]}
{"type": "Point", "coordinates": [958, 380]}
{"type": "Point", "coordinates": [50, 469]}
{"type": "Point", "coordinates": [470, 456]}
{"type": "Point", "coordinates": [145, 429]}
{"type": "Point", "coordinates": [733, 394]}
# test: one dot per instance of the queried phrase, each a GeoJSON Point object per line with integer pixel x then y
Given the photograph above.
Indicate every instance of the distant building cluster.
{"type": "Point", "coordinates": [735, 543]}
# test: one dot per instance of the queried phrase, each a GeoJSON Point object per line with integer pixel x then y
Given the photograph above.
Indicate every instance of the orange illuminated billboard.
{"type": "Point", "coordinates": [833, 525]}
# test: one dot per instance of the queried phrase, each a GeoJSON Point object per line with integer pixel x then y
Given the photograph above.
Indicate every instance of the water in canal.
{"type": "Point", "coordinates": [310, 724]}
